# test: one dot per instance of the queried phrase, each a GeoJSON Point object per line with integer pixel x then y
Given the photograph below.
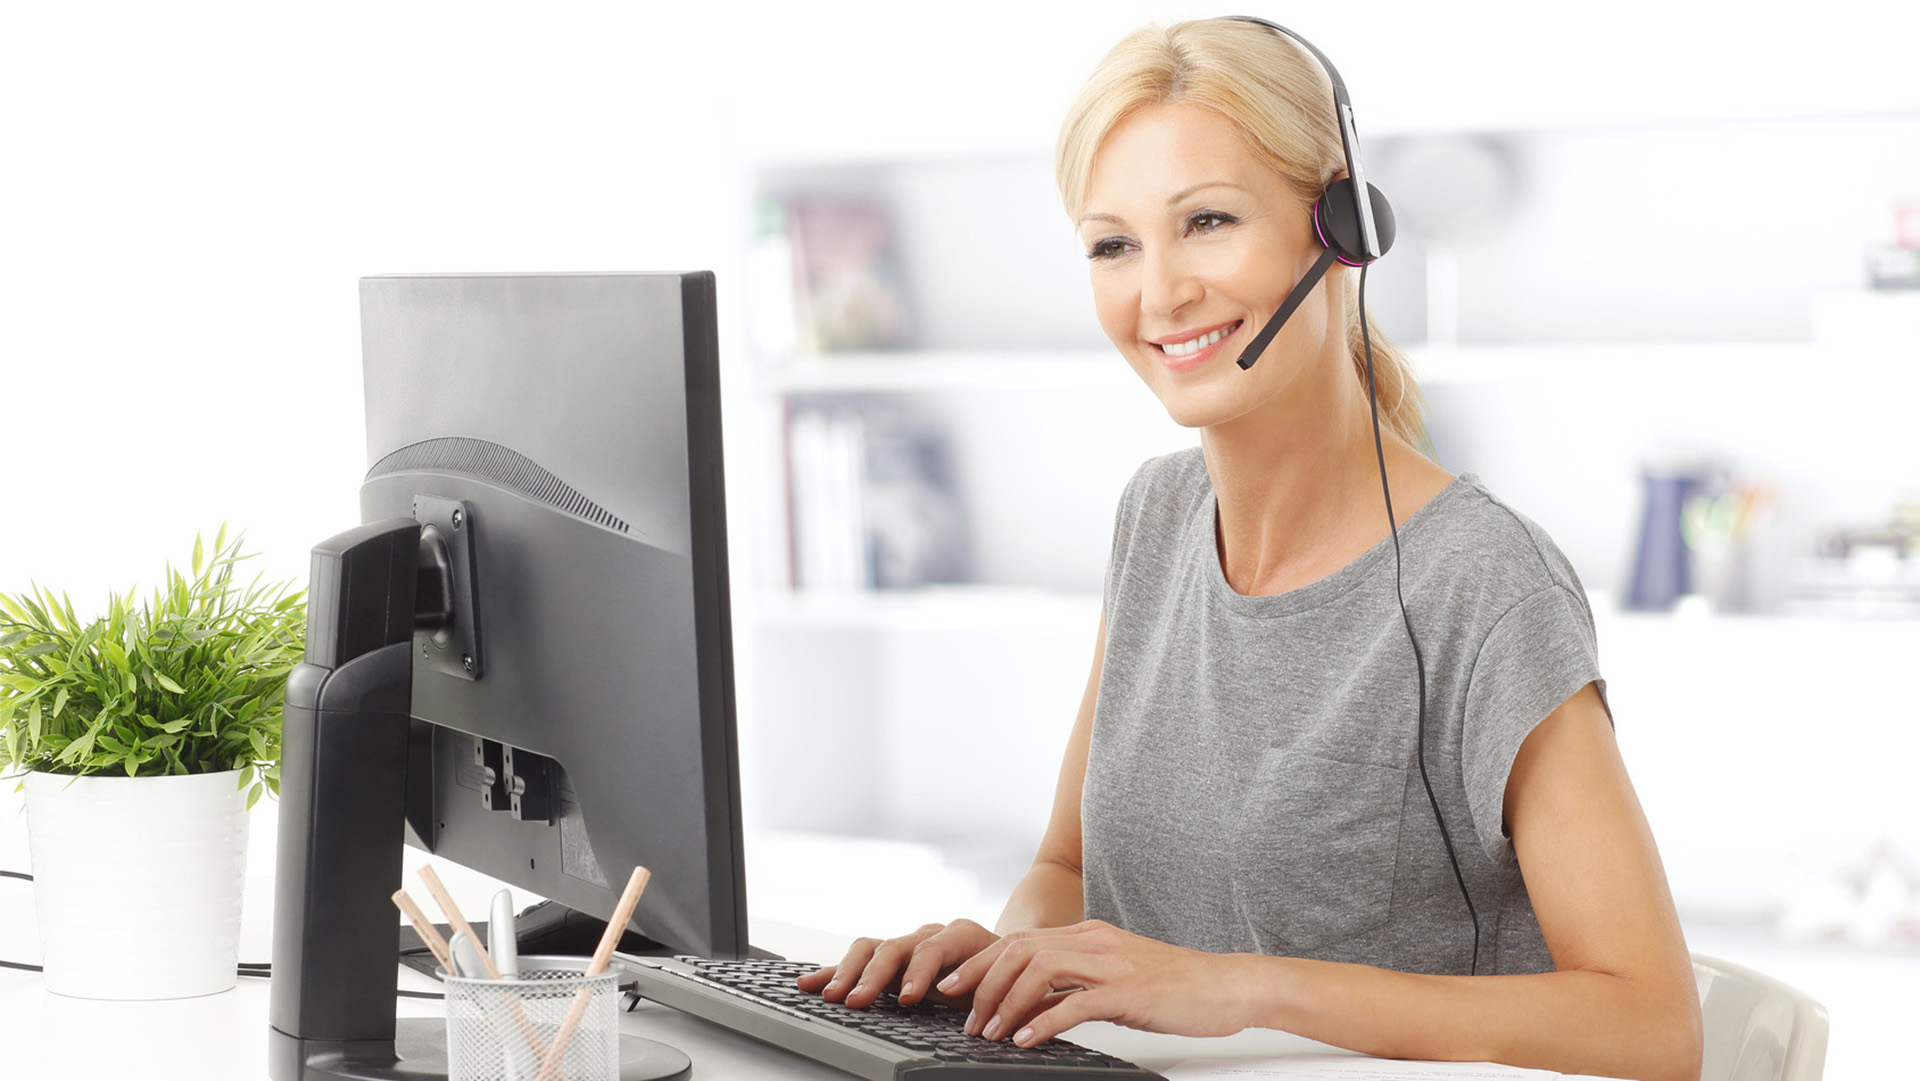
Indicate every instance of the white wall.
{"type": "Point", "coordinates": [192, 189]}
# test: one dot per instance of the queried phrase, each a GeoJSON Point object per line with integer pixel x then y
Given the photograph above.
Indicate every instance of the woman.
{"type": "Point", "coordinates": [1243, 833]}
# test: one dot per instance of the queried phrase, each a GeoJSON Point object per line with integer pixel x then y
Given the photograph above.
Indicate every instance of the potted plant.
{"type": "Point", "coordinates": [145, 735]}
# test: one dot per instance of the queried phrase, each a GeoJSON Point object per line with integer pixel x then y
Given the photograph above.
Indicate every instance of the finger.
{"type": "Point", "coordinates": [993, 985]}
{"type": "Point", "coordinates": [888, 959]}
{"type": "Point", "coordinates": [949, 947]}
{"type": "Point", "coordinates": [924, 965]}
{"type": "Point", "coordinates": [965, 978]}
{"type": "Point", "coordinates": [847, 973]}
{"type": "Point", "coordinates": [1065, 1013]}
{"type": "Point", "coordinates": [1048, 972]}
{"type": "Point", "coordinates": [812, 982]}
{"type": "Point", "coordinates": [888, 962]}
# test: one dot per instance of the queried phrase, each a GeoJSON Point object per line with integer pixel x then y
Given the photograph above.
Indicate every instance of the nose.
{"type": "Point", "coordinates": [1168, 284]}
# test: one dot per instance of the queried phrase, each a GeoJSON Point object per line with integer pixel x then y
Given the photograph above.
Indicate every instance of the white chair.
{"type": "Point", "coordinates": [1757, 1028]}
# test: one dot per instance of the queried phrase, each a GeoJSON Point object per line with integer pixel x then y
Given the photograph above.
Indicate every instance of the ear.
{"type": "Point", "coordinates": [1337, 222]}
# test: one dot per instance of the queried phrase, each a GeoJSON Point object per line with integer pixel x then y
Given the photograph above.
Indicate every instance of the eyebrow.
{"type": "Point", "coordinates": [1171, 200]}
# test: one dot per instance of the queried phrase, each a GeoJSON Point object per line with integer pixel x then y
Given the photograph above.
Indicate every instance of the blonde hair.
{"type": "Point", "coordinates": [1281, 100]}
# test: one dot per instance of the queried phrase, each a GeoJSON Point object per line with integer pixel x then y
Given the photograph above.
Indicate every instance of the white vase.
{"type": "Point", "coordinates": [137, 882]}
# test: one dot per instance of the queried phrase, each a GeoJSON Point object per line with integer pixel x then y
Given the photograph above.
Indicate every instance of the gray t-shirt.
{"type": "Point", "coordinates": [1252, 784]}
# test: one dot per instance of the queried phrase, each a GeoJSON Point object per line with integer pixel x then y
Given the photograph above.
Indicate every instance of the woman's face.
{"type": "Point", "coordinates": [1194, 242]}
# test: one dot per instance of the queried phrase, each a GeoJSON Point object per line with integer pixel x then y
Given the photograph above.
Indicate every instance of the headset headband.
{"type": "Point", "coordinates": [1349, 138]}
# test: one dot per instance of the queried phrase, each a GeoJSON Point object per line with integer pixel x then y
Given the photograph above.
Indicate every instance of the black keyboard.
{"type": "Point", "coordinates": [887, 1042]}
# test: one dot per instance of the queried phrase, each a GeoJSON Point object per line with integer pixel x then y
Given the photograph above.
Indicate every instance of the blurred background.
{"type": "Point", "coordinates": [1661, 287]}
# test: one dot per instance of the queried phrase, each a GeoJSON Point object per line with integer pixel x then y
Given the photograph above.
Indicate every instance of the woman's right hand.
{"type": "Point", "coordinates": [912, 964]}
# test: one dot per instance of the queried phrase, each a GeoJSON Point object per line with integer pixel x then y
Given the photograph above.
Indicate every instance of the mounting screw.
{"type": "Point", "coordinates": [423, 649]}
{"type": "Point", "coordinates": [458, 518]}
{"type": "Point", "coordinates": [466, 661]}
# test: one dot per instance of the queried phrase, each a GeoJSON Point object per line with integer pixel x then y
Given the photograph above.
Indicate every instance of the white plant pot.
{"type": "Point", "coordinates": [137, 881]}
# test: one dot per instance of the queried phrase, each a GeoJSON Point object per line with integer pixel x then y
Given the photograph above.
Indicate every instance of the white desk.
{"type": "Point", "coordinates": [47, 1037]}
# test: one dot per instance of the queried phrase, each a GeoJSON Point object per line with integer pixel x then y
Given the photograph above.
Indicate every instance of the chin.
{"type": "Point", "coordinates": [1204, 406]}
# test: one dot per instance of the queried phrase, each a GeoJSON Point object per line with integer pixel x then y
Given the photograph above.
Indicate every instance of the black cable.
{"type": "Point", "coordinates": [1419, 662]}
{"type": "Point", "coordinates": [24, 877]}
{"type": "Point", "coordinates": [257, 969]}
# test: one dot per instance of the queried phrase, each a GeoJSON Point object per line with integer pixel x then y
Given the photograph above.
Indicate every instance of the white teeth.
{"type": "Point", "coordinates": [1188, 348]}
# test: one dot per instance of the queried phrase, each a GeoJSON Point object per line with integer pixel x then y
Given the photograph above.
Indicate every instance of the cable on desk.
{"type": "Point", "coordinates": [259, 969]}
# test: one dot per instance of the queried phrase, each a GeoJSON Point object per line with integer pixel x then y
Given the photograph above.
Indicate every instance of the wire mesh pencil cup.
{"type": "Point", "coordinates": [505, 1030]}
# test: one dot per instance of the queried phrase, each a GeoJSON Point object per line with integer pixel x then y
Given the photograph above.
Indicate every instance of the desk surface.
{"type": "Point", "coordinates": [222, 1037]}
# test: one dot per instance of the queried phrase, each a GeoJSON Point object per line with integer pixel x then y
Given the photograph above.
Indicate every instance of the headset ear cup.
{"type": "Point", "coordinates": [1334, 218]}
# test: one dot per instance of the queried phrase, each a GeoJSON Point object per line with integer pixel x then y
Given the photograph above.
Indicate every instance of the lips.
{"type": "Point", "coordinates": [1188, 343]}
{"type": "Point", "coordinates": [1193, 348]}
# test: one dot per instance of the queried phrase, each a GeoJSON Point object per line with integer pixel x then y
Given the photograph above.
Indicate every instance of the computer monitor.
{"type": "Point", "coordinates": [521, 660]}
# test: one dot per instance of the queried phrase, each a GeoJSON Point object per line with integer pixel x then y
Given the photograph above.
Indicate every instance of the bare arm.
{"type": "Point", "coordinates": [1052, 892]}
{"type": "Point", "coordinates": [1622, 1001]}
{"type": "Point", "coordinates": [1048, 896]}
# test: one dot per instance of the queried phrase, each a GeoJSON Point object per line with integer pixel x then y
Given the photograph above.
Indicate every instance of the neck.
{"type": "Point", "coordinates": [1298, 485]}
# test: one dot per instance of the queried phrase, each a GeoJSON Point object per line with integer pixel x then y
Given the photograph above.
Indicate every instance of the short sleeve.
{"type": "Point", "coordinates": [1537, 656]}
{"type": "Point", "coordinates": [1126, 527]}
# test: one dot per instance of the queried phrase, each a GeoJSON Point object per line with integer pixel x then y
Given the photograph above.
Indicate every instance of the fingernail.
{"type": "Point", "coordinates": [834, 985]}
{"type": "Point", "coordinates": [906, 989]}
{"type": "Point", "coordinates": [993, 1028]}
{"type": "Point", "coordinates": [1023, 1036]}
{"type": "Point", "coordinates": [950, 982]}
{"type": "Point", "coordinates": [968, 1027]}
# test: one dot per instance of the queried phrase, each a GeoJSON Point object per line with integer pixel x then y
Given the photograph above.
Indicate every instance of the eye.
{"type": "Point", "coordinates": [1108, 248]}
{"type": "Point", "coordinates": [1206, 221]}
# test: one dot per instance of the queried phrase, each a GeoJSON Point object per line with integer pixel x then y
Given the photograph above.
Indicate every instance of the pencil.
{"type": "Point", "coordinates": [459, 922]}
{"type": "Point", "coordinates": [629, 897]}
{"type": "Point", "coordinates": [422, 926]}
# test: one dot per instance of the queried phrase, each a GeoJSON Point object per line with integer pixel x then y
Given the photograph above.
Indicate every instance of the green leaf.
{"type": "Point", "coordinates": [253, 795]}
{"type": "Point", "coordinates": [78, 747]}
{"type": "Point", "coordinates": [59, 703]}
{"type": "Point", "coordinates": [161, 678]}
{"type": "Point", "coordinates": [199, 555]}
{"type": "Point", "coordinates": [33, 722]}
{"type": "Point", "coordinates": [12, 637]}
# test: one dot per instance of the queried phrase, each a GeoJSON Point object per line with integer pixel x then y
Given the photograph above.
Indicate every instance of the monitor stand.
{"type": "Point", "coordinates": [342, 827]}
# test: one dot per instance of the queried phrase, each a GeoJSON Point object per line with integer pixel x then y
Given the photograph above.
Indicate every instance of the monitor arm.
{"type": "Point", "coordinates": [343, 795]}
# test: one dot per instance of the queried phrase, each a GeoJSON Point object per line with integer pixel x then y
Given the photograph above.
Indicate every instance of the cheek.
{"type": "Point", "coordinates": [1116, 303]}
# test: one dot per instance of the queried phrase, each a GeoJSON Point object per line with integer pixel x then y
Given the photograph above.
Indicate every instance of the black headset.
{"type": "Point", "coordinates": [1350, 230]}
{"type": "Point", "coordinates": [1356, 232]}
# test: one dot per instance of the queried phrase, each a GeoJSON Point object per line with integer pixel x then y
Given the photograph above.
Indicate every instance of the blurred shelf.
{"type": "Point", "coordinates": [1020, 610]}
{"type": "Point", "coordinates": [927, 371]}
{"type": "Point", "coordinates": [910, 371]}
{"type": "Point", "coordinates": [970, 608]}
{"type": "Point", "coordinates": [1467, 365]}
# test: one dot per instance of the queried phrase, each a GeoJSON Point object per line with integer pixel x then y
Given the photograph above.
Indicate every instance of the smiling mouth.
{"type": "Point", "coordinates": [1194, 345]}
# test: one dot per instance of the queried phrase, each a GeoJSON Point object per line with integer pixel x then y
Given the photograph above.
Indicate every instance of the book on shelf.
{"type": "Point", "coordinates": [825, 275]}
{"type": "Point", "coordinates": [873, 501]}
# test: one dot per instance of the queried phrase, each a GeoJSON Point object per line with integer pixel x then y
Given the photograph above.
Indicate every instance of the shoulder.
{"type": "Point", "coordinates": [1169, 486]}
{"type": "Point", "coordinates": [1182, 472]}
{"type": "Point", "coordinates": [1478, 551]}
{"type": "Point", "coordinates": [1156, 514]}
